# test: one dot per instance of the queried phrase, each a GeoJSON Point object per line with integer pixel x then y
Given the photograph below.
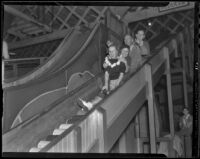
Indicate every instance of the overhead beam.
{"type": "Point", "coordinates": [18, 13]}
{"type": "Point", "coordinates": [154, 12]}
{"type": "Point", "coordinates": [44, 38]}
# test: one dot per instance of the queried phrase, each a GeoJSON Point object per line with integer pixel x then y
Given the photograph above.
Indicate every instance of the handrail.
{"type": "Point", "coordinates": [56, 140]}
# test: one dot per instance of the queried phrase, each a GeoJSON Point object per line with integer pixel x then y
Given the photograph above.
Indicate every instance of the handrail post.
{"type": "Point", "coordinates": [149, 94]}
{"type": "Point", "coordinates": [169, 91]}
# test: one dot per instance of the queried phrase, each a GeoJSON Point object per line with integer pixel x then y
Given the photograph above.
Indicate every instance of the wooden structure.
{"type": "Point", "coordinates": [100, 128]}
{"type": "Point", "coordinates": [109, 121]}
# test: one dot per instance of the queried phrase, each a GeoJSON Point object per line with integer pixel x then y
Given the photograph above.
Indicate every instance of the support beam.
{"type": "Point", "coordinates": [16, 12]}
{"type": "Point", "coordinates": [189, 51]}
{"type": "Point", "coordinates": [150, 95]}
{"type": "Point", "coordinates": [184, 70]}
{"type": "Point", "coordinates": [169, 91]}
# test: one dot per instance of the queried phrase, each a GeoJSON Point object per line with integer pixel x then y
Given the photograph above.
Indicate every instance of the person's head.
{"type": "Point", "coordinates": [113, 53]}
{"type": "Point", "coordinates": [128, 40]}
{"type": "Point", "coordinates": [140, 34]}
{"type": "Point", "coordinates": [185, 111]}
{"type": "Point", "coordinates": [124, 51]}
{"type": "Point", "coordinates": [109, 43]}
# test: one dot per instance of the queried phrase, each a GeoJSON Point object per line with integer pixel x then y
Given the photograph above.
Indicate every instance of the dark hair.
{"type": "Point", "coordinates": [124, 46]}
{"type": "Point", "coordinates": [139, 29]}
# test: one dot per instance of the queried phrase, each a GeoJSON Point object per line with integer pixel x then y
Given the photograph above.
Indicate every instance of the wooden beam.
{"type": "Point", "coordinates": [16, 12]}
{"type": "Point", "coordinates": [184, 67]}
{"type": "Point", "coordinates": [169, 91]}
{"type": "Point", "coordinates": [49, 37]}
{"type": "Point", "coordinates": [153, 12]}
{"type": "Point", "coordinates": [150, 97]}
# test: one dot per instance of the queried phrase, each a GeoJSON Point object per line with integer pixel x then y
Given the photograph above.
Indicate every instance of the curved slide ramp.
{"type": "Point", "coordinates": [77, 55]}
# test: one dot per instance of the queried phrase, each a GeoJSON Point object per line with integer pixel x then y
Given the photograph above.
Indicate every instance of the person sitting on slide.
{"type": "Point", "coordinates": [115, 68]}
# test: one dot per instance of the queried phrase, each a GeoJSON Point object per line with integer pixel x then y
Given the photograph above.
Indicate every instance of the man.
{"type": "Point", "coordinates": [186, 126]}
{"type": "Point", "coordinates": [143, 45]}
{"type": "Point", "coordinates": [186, 123]}
{"type": "Point", "coordinates": [134, 54]}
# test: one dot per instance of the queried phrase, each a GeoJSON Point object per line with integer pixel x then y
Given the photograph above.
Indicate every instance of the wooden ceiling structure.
{"type": "Point", "coordinates": [36, 27]}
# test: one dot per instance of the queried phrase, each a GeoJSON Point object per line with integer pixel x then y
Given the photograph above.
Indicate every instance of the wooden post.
{"type": "Point", "coordinates": [101, 128]}
{"type": "Point", "coordinates": [150, 99]}
{"type": "Point", "coordinates": [169, 91]}
{"type": "Point", "coordinates": [184, 73]}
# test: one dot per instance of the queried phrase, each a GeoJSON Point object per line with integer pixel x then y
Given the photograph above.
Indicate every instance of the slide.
{"type": "Point", "coordinates": [77, 58]}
